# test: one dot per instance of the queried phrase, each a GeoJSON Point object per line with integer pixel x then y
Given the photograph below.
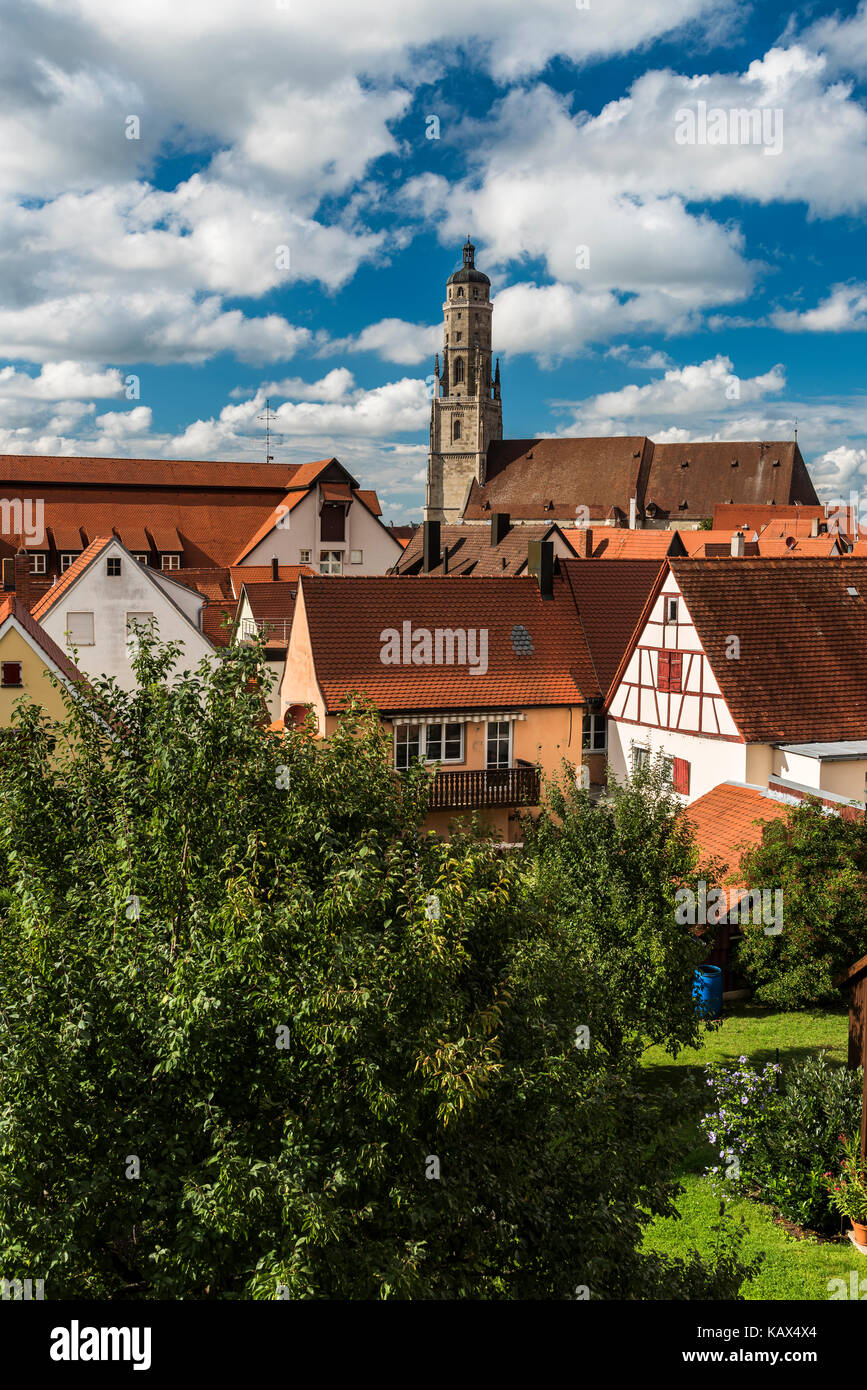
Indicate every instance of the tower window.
{"type": "Point", "coordinates": [460, 294]}
{"type": "Point", "coordinates": [459, 368]}
{"type": "Point", "coordinates": [456, 430]}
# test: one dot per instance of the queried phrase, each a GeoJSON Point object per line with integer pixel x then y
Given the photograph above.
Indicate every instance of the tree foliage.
{"type": "Point", "coordinates": [820, 863]}
{"type": "Point", "coordinates": [246, 1001]}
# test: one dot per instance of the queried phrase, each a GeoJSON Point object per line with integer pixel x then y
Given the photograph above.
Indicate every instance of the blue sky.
{"type": "Point", "coordinates": [237, 199]}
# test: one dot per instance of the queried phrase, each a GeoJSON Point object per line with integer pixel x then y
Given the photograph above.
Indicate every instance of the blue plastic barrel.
{"type": "Point", "coordinates": [707, 991]}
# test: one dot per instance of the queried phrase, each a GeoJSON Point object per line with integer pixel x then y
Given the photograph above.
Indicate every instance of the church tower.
{"type": "Point", "coordinates": [466, 411]}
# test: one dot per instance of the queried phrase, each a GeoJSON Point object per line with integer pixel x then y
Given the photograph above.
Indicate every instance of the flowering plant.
{"type": "Point", "coordinates": [847, 1190]}
{"type": "Point", "coordinates": [743, 1097]}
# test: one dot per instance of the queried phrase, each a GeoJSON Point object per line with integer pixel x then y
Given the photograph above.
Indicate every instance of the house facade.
{"type": "Point", "coordinates": [748, 672]}
{"type": "Point", "coordinates": [105, 598]}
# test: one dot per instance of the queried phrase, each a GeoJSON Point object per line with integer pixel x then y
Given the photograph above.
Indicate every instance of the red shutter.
{"type": "Point", "coordinates": [675, 671]}
{"type": "Point", "coordinates": [680, 776]}
{"type": "Point", "coordinates": [663, 671]}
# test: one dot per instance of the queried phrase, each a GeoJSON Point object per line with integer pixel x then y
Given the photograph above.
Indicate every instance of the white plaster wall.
{"type": "Point", "coordinates": [711, 760]}
{"type": "Point", "coordinates": [363, 532]}
{"type": "Point", "coordinates": [110, 600]}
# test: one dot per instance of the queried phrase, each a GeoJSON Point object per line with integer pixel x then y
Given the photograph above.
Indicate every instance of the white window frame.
{"type": "Point", "coordinates": [170, 562]}
{"type": "Point", "coordinates": [333, 564]}
{"type": "Point", "coordinates": [499, 767]}
{"type": "Point", "coordinates": [415, 734]}
{"type": "Point", "coordinates": [588, 736]}
{"type": "Point", "coordinates": [112, 573]}
{"type": "Point", "coordinates": [68, 558]}
{"type": "Point", "coordinates": [356, 557]}
{"type": "Point", "coordinates": [441, 724]}
{"type": "Point", "coordinates": [670, 601]}
{"type": "Point", "coordinates": [37, 561]}
{"type": "Point", "coordinates": [143, 557]}
{"type": "Point", "coordinates": [305, 557]}
{"type": "Point", "coordinates": [71, 641]}
{"type": "Point", "coordinates": [639, 756]}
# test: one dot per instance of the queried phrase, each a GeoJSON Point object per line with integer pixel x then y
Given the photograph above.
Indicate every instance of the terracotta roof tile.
{"type": "Point", "coordinates": [801, 674]}
{"type": "Point", "coordinates": [471, 552]}
{"type": "Point", "coordinates": [729, 818]}
{"type": "Point", "coordinates": [610, 601]}
{"type": "Point", "coordinates": [346, 617]}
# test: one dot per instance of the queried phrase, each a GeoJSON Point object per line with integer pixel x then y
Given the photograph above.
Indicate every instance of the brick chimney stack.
{"type": "Point", "coordinates": [22, 578]}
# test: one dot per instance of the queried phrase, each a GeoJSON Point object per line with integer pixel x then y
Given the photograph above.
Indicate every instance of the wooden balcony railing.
{"type": "Point", "coordinates": [507, 786]}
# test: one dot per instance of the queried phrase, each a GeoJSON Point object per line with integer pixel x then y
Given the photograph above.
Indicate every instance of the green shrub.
{"type": "Point", "coordinates": [777, 1133]}
{"type": "Point", "coordinates": [820, 864]}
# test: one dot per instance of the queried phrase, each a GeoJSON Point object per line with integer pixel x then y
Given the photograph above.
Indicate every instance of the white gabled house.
{"type": "Point", "coordinates": [748, 670]}
{"type": "Point", "coordinates": [104, 597]}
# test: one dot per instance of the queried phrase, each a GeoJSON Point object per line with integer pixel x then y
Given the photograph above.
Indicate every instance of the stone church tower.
{"type": "Point", "coordinates": [466, 410]}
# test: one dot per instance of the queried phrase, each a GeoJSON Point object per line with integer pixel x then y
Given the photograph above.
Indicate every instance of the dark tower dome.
{"type": "Point", "coordinates": [468, 273]}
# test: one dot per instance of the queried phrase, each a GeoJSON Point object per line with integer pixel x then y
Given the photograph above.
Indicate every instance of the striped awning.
{"type": "Point", "coordinates": [479, 716]}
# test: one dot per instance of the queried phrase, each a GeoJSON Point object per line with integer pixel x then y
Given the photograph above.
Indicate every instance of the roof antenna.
{"type": "Point", "coordinates": [796, 429]}
{"type": "Point", "coordinates": [268, 415]}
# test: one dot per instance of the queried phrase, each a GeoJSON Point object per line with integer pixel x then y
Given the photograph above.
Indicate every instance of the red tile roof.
{"type": "Point", "coordinates": [729, 818]}
{"type": "Point", "coordinates": [273, 606]}
{"type": "Point", "coordinates": [216, 507]}
{"type": "Point", "coordinates": [767, 472]}
{"type": "Point", "coordinates": [471, 552]}
{"type": "Point", "coordinates": [801, 673]}
{"type": "Point", "coordinates": [611, 601]}
{"type": "Point", "coordinates": [620, 543]}
{"type": "Point", "coordinates": [738, 516]}
{"type": "Point", "coordinates": [346, 617]}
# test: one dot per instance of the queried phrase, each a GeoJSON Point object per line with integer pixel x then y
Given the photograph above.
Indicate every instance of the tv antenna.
{"type": "Point", "coordinates": [796, 429]}
{"type": "Point", "coordinates": [267, 416]}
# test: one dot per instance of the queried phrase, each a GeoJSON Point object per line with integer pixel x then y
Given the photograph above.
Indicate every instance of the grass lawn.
{"type": "Point", "coordinates": [793, 1268]}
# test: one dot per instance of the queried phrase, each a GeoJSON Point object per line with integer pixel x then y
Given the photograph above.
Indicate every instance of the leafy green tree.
{"type": "Point", "coordinates": [819, 861]}
{"type": "Point", "coordinates": [608, 872]}
{"type": "Point", "coordinates": [263, 1036]}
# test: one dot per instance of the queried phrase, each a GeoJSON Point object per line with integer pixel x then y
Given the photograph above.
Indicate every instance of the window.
{"type": "Point", "coordinates": [407, 743]}
{"type": "Point", "coordinates": [669, 672]}
{"type": "Point", "coordinates": [37, 562]}
{"type": "Point", "coordinates": [68, 558]}
{"type": "Point", "coordinates": [79, 629]}
{"type": "Point", "coordinates": [330, 562]}
{"type": "Point", "coordinates": [143, 559]}
{"type": "Point", "coordinates": [458, 339]}
{"type": "Point", "coordinates": [459, 369]}
{"type": "Point", "coordinates": [460, 294]}
{"type": "Point", "coordinates": [356, 557]}
{"type": "Point", "coordinates": [444, 743]}
{"type": "Point", "coordinates": [456, 429]}
{"type": "Point", "coordinates": [171, 562]}
{"type": "Point", "coordinates": [671, 610]}
{"type": "Point", "coordinates": [134, 621]}
{"type": "Point", "coordinates": [680, 775]}
{"type": "Point", "coordinates": [332, 522]}
{"type": "Point", "coordinates": [112, 566]}
{"type": "Point", "coordinates": [304, 557]}
{"type": "Point", "coordinates": [10, 673]}
{"type": "Point", "coordinates": [595, 735]}
{"type": "Point", "coordinates": [499, 743]}
{"type": "Point", "coordinates": [640, 756]}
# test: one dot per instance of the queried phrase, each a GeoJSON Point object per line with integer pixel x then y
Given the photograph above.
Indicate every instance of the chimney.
{"type": "Point", "coordinates": [540, 563]}
{"type": "Point", "coordinates": [9, 575]}
{"type": "Point", "coordinates": [431, 544]}
{"type": "Point", "coordinates": [585, 542]}
{"type": "Point", "coordinates": [814, 527]}
{"type": "Point", "coordinates": [22, 577]}
{"type": "Point", "coordinates": [499, 527]}
{"type": "Point", "coordinates": [738, 545]}
{"type": "Point", "coordinates": [445, 559]}
{"type": "Point", "coordinates": [275, 568]}
{"type": "Point", "coordinates": [633, 513]}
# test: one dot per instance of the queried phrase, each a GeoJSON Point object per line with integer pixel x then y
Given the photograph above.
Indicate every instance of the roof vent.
{"type": "Point", "coordinates": [549, 506]}
{"type": "Point", "coordinates": [683, 506]}
{"type": "Point", "coordinates": [636, 453]}
{"type": "Point", "coordinates": [776, 463]}
{"type": "Point", "coordinates": [529, 453]}
{"type": "Point", "coordinates": [853, 592]}
{"type": "Point", "coordinates": [734, 463]}
{"type": "Point", "coordinates": [684, 463]}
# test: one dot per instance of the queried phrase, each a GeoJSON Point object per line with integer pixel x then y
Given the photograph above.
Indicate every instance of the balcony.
{"type": "Point", "coordinates": [469, 791]}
